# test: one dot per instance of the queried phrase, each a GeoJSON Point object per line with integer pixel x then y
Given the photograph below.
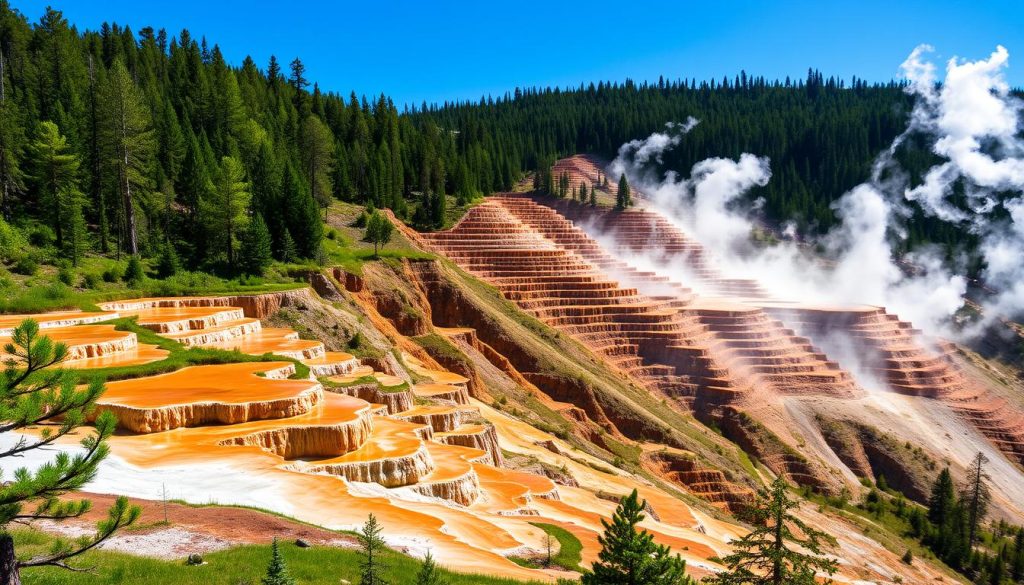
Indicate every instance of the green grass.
{"type": "Point", "coordinates": [437, 346]}
{"type": "Point", "coordinates": [569, 552]}
{"type": "Point", "coordinates": [178, 357]}
{"type": "Point", "coordinates": [239, 565]}
{"type": "Point", "coordinates": [404, 386]}
{"type": "Point", "coordinates": [43, 292]}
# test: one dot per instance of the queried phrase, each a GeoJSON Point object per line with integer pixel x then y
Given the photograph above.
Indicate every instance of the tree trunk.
{"type": "Point", "coordinates": [9, 573]}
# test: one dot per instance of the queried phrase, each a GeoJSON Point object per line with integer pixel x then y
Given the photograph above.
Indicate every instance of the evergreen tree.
{"type": "Point", "coordinates": [976, 497]}
{"type": "Point", "coordinates": [127, 139]}
{"type": "Point", "coordinates": [428, 574]}
{"type": "Point", "coordinates": [288, 252]}
{"type": "Point", "coordinates": [168, 262]}
{"type": "Point", "coordinates": [629, 557]}
{"type": "Point", "coordinates": [55, 179]}
{"type": "Point", "coordinates": [224, 209]}
{"type": "Point", "coordinates": [277, 571]}
{"type": "Point", "coordinates": [34, 390]}
{"type": "Point", "coordinates": [372, 545]}
{"type": "Point", "coordinates": [765, 557]}
{"type": "Point", "coordinates": [593, 196]}
{"type": "Point", "coordinates": [622, 196]}
{"type": "Point", "coordinates": [317, 149]}
{"type": "Point", "coordinates": [133, 273]}
{"type": "Point", "coordinates": [1017, 571]}
{"type": "Point", "coordinates": [942, 501]}
{"type": "Point", "coordinates": [255, 255]}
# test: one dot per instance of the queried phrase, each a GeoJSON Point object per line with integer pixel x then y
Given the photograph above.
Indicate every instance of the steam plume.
{"type": "Point", "coordinates": [970, 120]}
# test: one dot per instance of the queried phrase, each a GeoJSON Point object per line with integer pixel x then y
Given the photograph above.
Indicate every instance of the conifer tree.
{"type": "Point", "coordinates": [277, 571]}
{"type": "Point", "coordinates": [317, 148]}
{"type": "Point", "coordinates": [372, 546]}
{"type": "Point", "coordinates": [34, 390]}
{"type": "Point", "coordinates": [428, 574]}
{"type": "Point", "coordinates": [765, 555]}
{"type": "Point", "coordinates": [622, 196]}
{"type": "Point", "coordinates": [593, 196]}
{"type": "Point", "coordinates": [224, 209]}
{"type": "Point", "coordinates": [629, 557]}
{"type": "Point", "coordinates": [976, 497]}
{"type": "Point", "coordinates": [288, 252]}
{"type": "Point", "coordinates": [255, 255]}
{"type": "Point", "coordinates": [127, 138]}
{"type": "Point", "coordinates": [55, 177]}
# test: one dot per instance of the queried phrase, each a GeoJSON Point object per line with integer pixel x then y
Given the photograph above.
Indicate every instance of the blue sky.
{"type": "Point", "coordinates": [415, 51]}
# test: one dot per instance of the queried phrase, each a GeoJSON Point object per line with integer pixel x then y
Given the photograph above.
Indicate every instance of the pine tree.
{"type": "Point", "coordinates": [631, 557]}
{"type": "Point", "coordinates": [764, 557]}
{"type": "Point", "coordinates": [288, 251]}
{"type": "Point", "coordinates": [127, 139]}
{"type": "Point", "coordinates": [168, 264]}
{"type": "Point", "coordinates": [255, 255]}
{"type": "Point", "coordinates": [277, 571]}
{"type": "Point", "coordinates": [55, 178]}
{"type": "Point", "coordinates": [224, 209]}
{"type": "Point", "coordinates": [34, 390]}
{"type": "Point", "coordinates": [593, 196]}
{"type": "Point", "coordinates": [428, 574]}
{"type": "Point", "coordinates": [942, 501]}
{"type": "Point", "coordinates": [317, 148]}
{"type": "Point", "coordinates": [976, 497]}
{"type": "Point", "coordinates": [622, 196]}
{"type": "Point", "coordinates": [372, 546]}
{"type": "Point", "coordinates": [1017, 571]}
{"type": "Point", "coordinates": [134, 273]}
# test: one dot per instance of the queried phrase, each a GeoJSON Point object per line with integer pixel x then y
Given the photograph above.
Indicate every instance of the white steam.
{"type": "Point", "coordinates": [970, 120]}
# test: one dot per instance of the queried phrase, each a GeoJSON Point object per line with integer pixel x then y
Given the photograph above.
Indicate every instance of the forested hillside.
{"type": "Point", "coordinates": [143, 141]}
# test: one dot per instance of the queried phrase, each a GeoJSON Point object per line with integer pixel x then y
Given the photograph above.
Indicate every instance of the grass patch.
{"type": "Point", "coordinates": [179, 356]}
{"type": "Point", "coordinates": [242, 564]}
{"type": "Point", "coordinates": [366, 380]}
{"type": "Point", "coordinates": [569, 552]}
{"type": "Point", "coordinates": [437, 346]}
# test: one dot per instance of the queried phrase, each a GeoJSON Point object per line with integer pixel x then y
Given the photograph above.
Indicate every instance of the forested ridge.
{"type": "Point", "coordinates": [139, 142]}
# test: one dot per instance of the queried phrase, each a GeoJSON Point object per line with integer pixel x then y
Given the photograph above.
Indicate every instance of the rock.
{"type": "Point", "coordinates": [194, 560]}
{"type": "Point", "coordinates": [301, 543]}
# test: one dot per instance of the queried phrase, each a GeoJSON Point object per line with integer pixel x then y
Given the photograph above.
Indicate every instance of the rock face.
{"type": "Point", "coordinates": [395, 402]}
{"type": "Point", "coordinates": [258, 306]}
{"type": "Point", "coordinates": [709, 484]}
{"type": "Point", "coordinates": [393, 471]}
{"type": "Point", "coordinates": [301, 438]}
{"type": "Point", "coordinates": [55, 319]}
{"type": "Point", "coordinates": [481, 436]}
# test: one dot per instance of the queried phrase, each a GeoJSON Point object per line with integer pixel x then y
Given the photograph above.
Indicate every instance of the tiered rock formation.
{"type": "Point", "coordinates": [664, 339]}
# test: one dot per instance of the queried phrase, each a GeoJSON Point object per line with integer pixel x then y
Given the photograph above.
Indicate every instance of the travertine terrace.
{"type": "Point", "coordinates": [691, 333]}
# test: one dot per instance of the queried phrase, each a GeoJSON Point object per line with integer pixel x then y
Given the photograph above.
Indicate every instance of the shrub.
{"type": "Point", "coordinates": [12, 243]}
{"type": "Point", "coordinates": [90, 280]}
{"type": "Point", "coordinates": [167, 264]}
{"type": "Point", "coordinates": [113, 274]}
{"type": "Point", "coordinates": [66, 276]}
{"type": "Point", "coordinates": [42, 236]}
{"type": "Point", "coordinates": [908, 557]}
{"type": "Point", "coordinates": [26, 265]}
{"type": "Point", "coordinates": [134, 274]}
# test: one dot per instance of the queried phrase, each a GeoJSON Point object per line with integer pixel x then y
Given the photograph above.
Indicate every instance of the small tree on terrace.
{"type": "Point", "coordinates": [629, 557]}
{"type": "Point", "coordinates": [763, 557]}
{"type": "Point", "coordinates": [378, 231]}
{"type": "Point", "coordinates": [33, 392]}
{"type": "Point", "coordinates": [623, 199]}
{"type": "Point", "coordinates": [277, 571]}
{"type": "Point", "coordinates": [372, 546]}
